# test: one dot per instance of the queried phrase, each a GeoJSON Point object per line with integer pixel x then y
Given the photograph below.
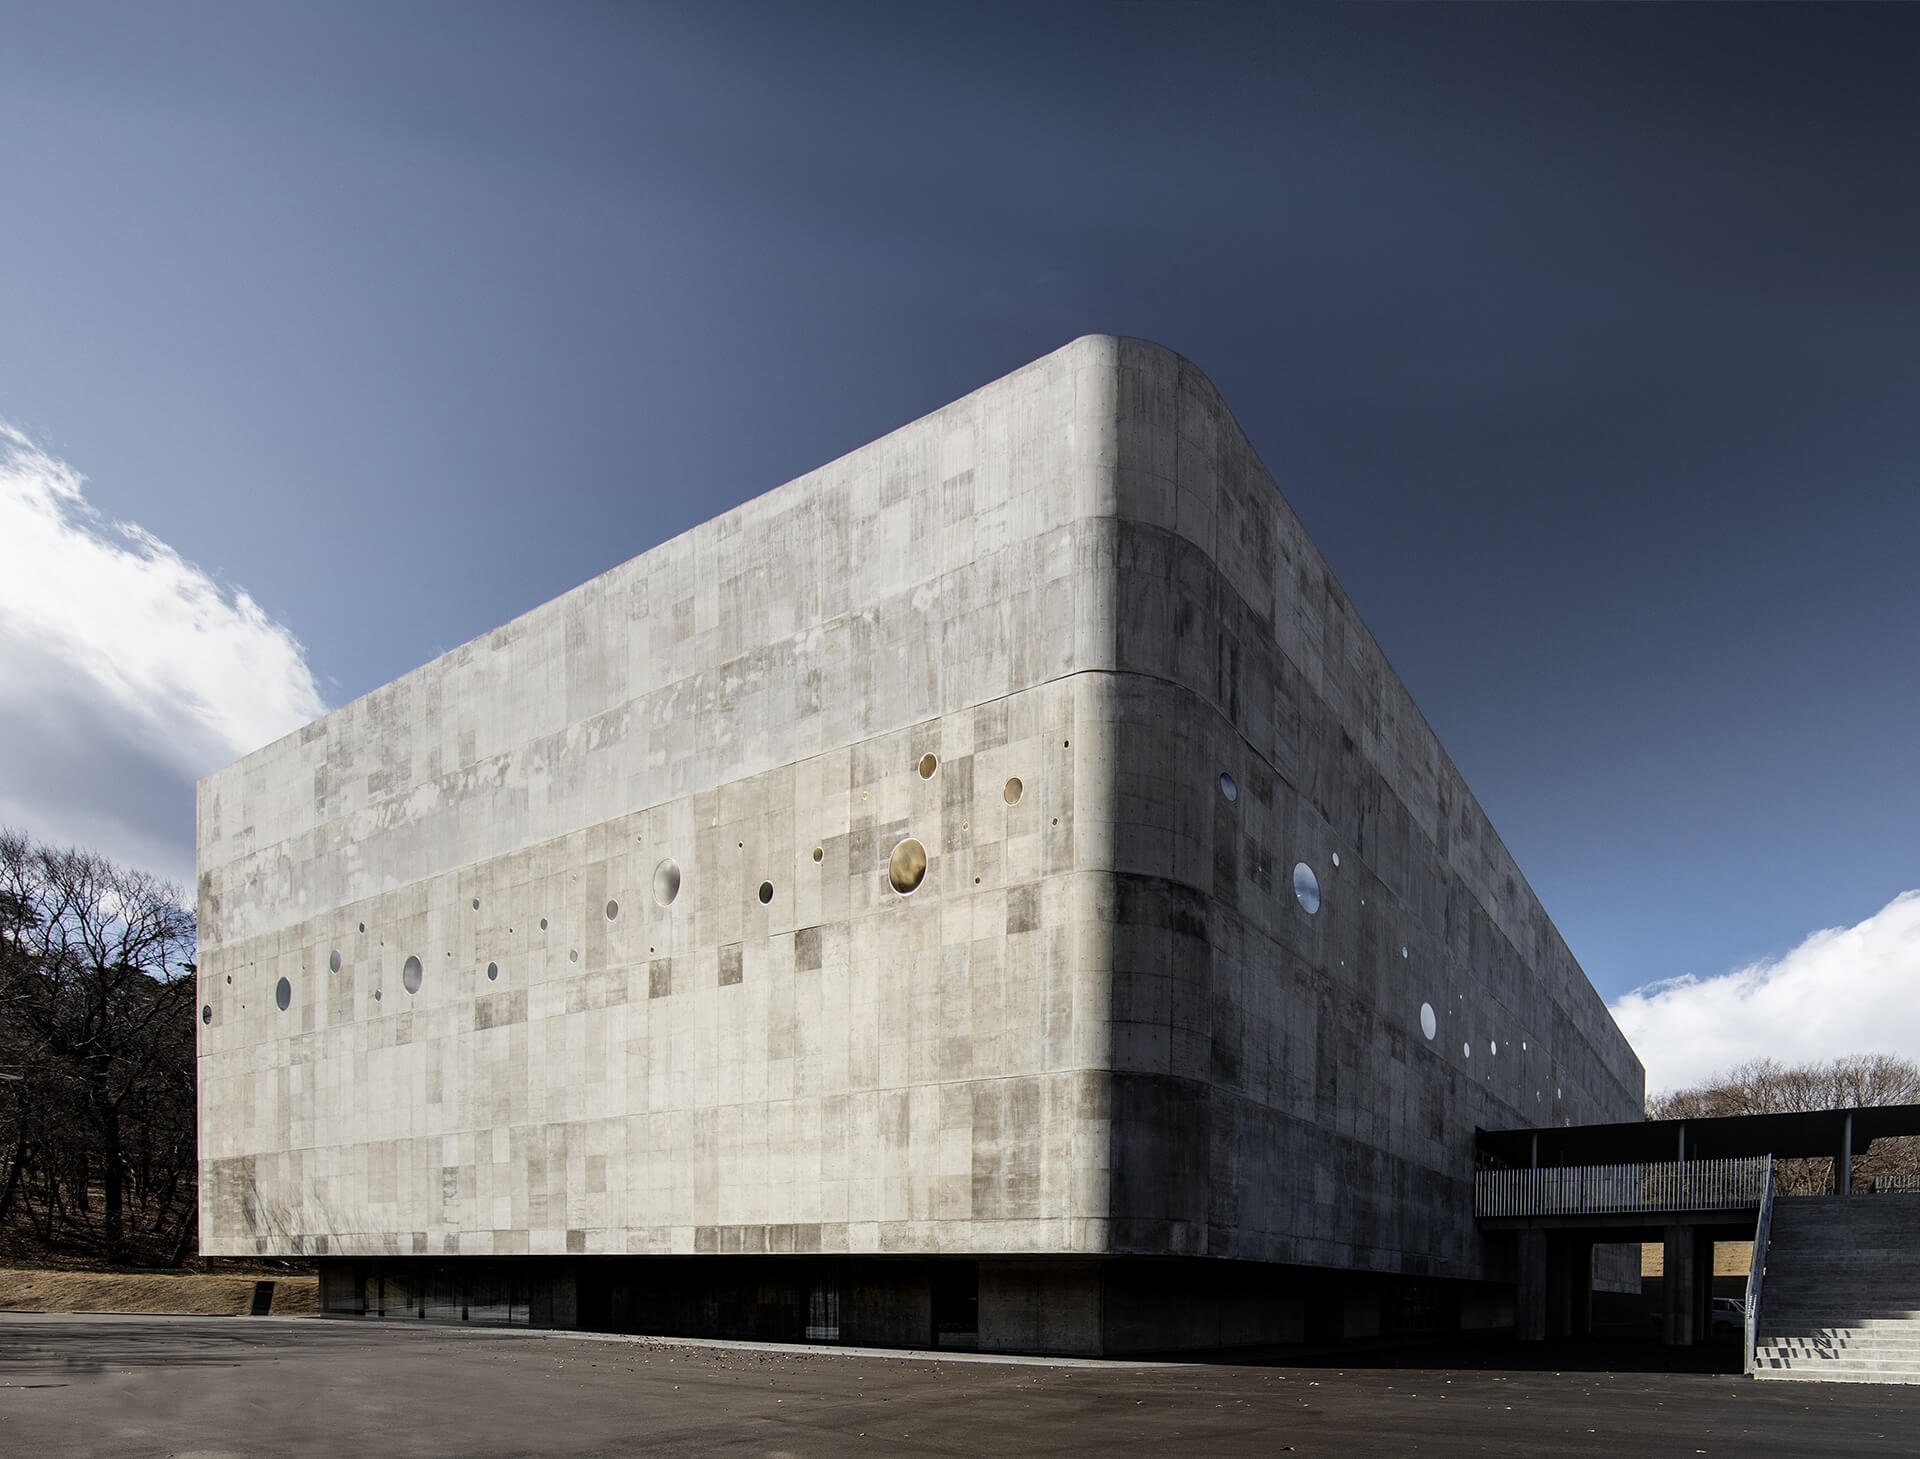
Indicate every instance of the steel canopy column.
{"type": "Point", "coordinates": [1677, 1297]}
{"type": "Point", "coordinates": [1530, 1295]}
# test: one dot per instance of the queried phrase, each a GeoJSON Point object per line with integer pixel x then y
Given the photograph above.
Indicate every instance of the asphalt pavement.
{"type": "Point", "coordinates": [211, 1387]}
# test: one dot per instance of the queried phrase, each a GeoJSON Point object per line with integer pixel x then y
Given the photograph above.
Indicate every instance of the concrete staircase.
{"type": "Point", "coordinates": [1841, 1298]}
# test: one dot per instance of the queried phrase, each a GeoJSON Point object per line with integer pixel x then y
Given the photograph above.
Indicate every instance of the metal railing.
{"type": "Point", "coordinates": [1757, 1268]}
{"type": "Point", "coordinates": [1605, 1190]}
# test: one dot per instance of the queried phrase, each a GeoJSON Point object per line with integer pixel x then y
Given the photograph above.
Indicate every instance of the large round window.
{"type": "Point", "coordinates": [410, 974]}
{"type": "Point", "coordinates": [907, 867]}
{"type": "Point", "coordinates": [666, 882]}
{"type": "Point", "coordinates": [1306, 886]}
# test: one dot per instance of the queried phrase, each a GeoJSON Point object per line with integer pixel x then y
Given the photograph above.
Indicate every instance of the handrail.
{"type": "Point", "coordinates": [1757, 1268]}
{"type": "Point", "coordinates": [1645, 1186]}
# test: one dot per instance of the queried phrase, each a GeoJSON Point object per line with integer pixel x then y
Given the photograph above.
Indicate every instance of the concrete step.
{"type": "Point", "coordinates": [1879, 1329]}
{"type": "Point", "coordinates": [1817, 1347]}
{"type": "Point", "coordinates": [1814, 1352]}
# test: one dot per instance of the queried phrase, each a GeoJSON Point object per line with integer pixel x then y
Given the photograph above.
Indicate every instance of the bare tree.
{"type": "Point", "coordinates": [1766, 1086]}
{"type": "Point", "coordinates": [96, 1025]}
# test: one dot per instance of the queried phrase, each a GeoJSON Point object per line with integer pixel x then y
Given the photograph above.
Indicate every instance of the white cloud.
{"type": "Point", "coordinates": [1845, 990]}
{"type": "Point", "coordinates": [126, 672]}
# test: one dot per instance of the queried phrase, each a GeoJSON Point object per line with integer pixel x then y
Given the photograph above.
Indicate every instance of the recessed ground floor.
{"type": "Point", "coordinates": [1085, 1306]}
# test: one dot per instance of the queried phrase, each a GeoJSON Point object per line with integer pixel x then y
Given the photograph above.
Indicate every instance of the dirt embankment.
{"type": "Point", "coordinates": [196, 1294]}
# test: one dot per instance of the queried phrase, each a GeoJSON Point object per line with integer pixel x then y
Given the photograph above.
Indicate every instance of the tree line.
{"type": "Point", "coordinates": [1766, 1086]}
{"type": "Point", "coordinates": [97, 1124]}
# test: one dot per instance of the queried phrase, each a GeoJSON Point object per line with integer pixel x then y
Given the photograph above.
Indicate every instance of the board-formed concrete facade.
{"type": "Point", "coordinates": [580, 944]}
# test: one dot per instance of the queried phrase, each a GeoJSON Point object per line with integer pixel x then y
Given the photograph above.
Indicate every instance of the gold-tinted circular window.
{"type": "Point", "coordinates": [1013, 791]}
{"type": "Point", "coordinates": [928, 764]}
{"type": "Point", "coordinates": [907, 867]}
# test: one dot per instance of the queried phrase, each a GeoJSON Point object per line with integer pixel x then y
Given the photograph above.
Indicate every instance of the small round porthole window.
{"type": "Point", "coordinates": [282, 994]}
{"type": "Point", "coordinates": [1429, 1025]}
{"type": "Point", "coordinates": [907, 867]}
{"type": "Point", "coordinates": [493, 971]}
{"type": "Point", "coordinates": [819, 853]}
{"type": "Point", "coordinates": [1466, 1051]}
{"type": "Point", "coordinates": [766, 892]}
{"type": "Point", "coordinates": [1306, 886]}
{"type": "Point", "coordinates": [1228, 787]}
{"type": "Point", "coordinates": [410, 974]}
{"type": "Point", "coordinates": [206, 1013]}
{"type": "Point", "coordinates": [333, 961]}
{"type": "Point", "coordinates": [613, 910]}
{"type": "Point", "coordinates": [928, 764]}
{"type": "Point", "coordinates": [1011, 795]}
{"type": "Point", "coordinates": [1336, 858]}
{"type": "Point", "coordinates": [666, 882]}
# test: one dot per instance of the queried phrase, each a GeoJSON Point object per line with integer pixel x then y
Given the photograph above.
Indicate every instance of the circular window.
{"type": "Point", "coordinates": [1403, 951]}
{"type": "Point", "coordinates": [543, 924]}
{"type": "Point", "coordinates": [818, 852]}
{"type": "Point", "coordinates": [283, 994]}
{"type": "Point", "coordinates": [928, 764]}
{"type": "Point", "coordinates": [1429, 1025]}
{"type": "Point", "coordinates": [376, 995]}
{"type": "Point", "coordinates": [333, 961]}
{"type": "Point", "coordinates": [1011, 795]}
{"type": "Point", "coordinates": [410, 974]}
{"type": "Point", "coordinates": [907, 867]}
{"type": "Point", "coordinates": [613, 910]}
{"type": "Point", "coordinates": [1228, 787]}
{"type": "Point", "coordinates": [206, 1013]}
{"type": "Point", "coordinates": [1466, 1051]}
{"type": "Point", "coordinates": [363, 927]}
{"type": "Point", "coordinates": [1336, 858]}
{"type": "Point", "coordinates": [666, 882]}
{"type": "Point", "coordinates": [1306, 886]}
{"type": "Point", "coordinates": [493, 971]}
{"type": "Point", "coordinates": [766, 892]}
{"type": "Point", "coordinates": [476, 904]}
{"type": "Point", "coordinates": [1493, 1048]}
{"type": "Point", "coordinates": [573, 955]}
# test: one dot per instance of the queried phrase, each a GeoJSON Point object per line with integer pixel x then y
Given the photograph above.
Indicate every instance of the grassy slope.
{"type": "Point", "coordinates": [220, 1294]}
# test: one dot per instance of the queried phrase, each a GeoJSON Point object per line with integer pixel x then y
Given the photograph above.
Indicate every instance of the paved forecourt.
{"type": "Point", "coordinates": [108, 1386]}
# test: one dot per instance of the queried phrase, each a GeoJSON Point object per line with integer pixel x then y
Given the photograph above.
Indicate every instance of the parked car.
{"type": "Point", "coordinates": [1729, 1315]}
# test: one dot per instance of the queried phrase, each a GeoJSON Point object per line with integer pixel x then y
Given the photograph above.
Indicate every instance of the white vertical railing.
{"type": "Point", "coordinates": [1601, 1190]}
{"type": "Point", "coordinates": [1757, 1268]}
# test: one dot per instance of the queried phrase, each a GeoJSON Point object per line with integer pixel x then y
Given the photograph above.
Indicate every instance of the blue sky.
{"type": "Point", "coordinates": [1581, 339]}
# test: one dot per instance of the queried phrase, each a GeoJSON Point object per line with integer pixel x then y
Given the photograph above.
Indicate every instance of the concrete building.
{"type": "Point", "coordinates": [991, 890]}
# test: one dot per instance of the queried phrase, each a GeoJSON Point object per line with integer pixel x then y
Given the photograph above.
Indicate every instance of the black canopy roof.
{"type": "Point", "coordinates": [1808, 1132]}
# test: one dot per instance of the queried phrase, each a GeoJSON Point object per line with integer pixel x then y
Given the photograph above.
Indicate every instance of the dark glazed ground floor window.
{"type": "Point", "coordinates": [823, 1309]}
{"type": "Point", "coordinates": [956, 1304]}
